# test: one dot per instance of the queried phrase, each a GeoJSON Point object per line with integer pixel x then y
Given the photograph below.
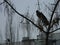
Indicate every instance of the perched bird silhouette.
{"type": "Point", "coordinates": [8, 40]}
{"type": "Point", "coordinates": [42, 17]}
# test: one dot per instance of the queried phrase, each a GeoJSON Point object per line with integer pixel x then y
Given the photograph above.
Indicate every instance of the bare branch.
{"type": "Point", "coordinates": [54, 10]}
{"type": "Point", "coordinates": [55, 30]}
{"type": "Point", "coordinates": [2, 3]}
{"type": "Point", "coordinates": [49, 8]}
{"type": "Point", "coordinates": [23, 16]}
{"type": "Point", "coordinates": [55, 21]}
{"type": "Point", "coordinates": [53, 14]}
{"type": "Point", "coordinates": [53, 4]}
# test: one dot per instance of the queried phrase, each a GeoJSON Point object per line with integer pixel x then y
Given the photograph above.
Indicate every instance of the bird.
{"type": "Point", "coordinates": [8, 40]}
{"type": "Point", "coordinates": [41, 16]}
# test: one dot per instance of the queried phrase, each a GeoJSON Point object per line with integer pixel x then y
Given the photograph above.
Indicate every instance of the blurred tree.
{"type": "Point", "coordinates": [9, 12]}
{"type": "Point", "coordinates": [49, 23]}
{"type": "Point", "coordinates": [43, 18]}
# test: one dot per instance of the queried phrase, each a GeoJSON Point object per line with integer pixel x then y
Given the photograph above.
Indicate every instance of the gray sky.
{"type": "Point", "coordinates": [22, 6]}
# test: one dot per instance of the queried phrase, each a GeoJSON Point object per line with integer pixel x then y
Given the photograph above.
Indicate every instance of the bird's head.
{"type": "Point", "coordinates": [37, 11]}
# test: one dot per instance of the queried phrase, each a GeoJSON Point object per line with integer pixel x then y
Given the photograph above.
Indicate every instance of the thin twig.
{"type": "Point", "coordinates": [55, 30]}
{"type": "Point", "coordinates": [54, 10]}
{"type": "Point", "coordinates": [2, 3]}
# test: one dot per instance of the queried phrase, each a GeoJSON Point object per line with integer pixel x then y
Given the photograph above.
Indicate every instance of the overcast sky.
{"type": "Point", "coordinates": [22, 7]}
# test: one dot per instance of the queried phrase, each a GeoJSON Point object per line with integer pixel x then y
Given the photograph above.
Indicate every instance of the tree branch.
{"type": "Point", "coordinates": [49, 8]}
{"type": "Point", "coordinates": [54, 10]}
{"type": "Point", "coordinates": [23, 16]}
{"type": "Point", "coordinates": [2, 3]}
{"type": "Point", "coordinates": [53, 14]}
{"type": "Point", "coordinates": [55, 30]}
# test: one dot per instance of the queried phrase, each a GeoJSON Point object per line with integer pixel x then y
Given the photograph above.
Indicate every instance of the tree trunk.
{"type": "Point", "coordinates": [46, 41]}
